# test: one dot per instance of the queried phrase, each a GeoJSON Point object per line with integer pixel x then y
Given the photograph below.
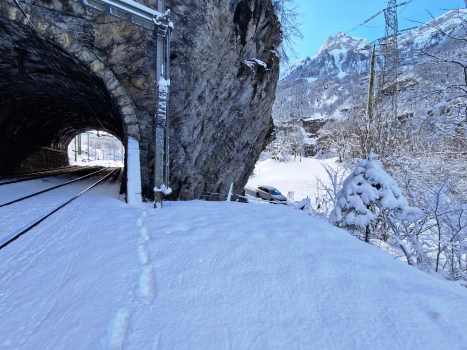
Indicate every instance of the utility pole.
{"type": "Point", "coordinates": [371, 84]}
{"type": "Point", "coordinates": [369, 109]}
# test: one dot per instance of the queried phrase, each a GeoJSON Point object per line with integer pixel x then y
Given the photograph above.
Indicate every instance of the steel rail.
{"type": "Point", "coordinates": [114, 179]}
{"type": "Point", "coordinates": [52, 188]}
{"type": "Point", "coordinates": [46, 174]}
{"type": "Point", "coordinates": [37, 172]}
{"type": "Point", "coordinates": [54, 211]}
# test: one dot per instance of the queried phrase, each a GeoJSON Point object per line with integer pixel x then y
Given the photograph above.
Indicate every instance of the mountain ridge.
{"type": "Point", "coordinates": [333, 83]}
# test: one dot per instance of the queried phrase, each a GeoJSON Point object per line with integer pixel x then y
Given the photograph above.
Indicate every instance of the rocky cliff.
{"type": "Point", "coordinates": [224, 71]}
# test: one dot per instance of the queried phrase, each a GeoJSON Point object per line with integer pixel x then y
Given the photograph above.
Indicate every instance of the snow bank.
{"type": "Point", "coordinates": [218, 275]}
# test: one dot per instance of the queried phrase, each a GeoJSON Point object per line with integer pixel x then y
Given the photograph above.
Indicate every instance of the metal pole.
{"type": "Point", "coordinates": [88, 147]}
{"type": "Point", "coordinates": [76, 153]}
{"type": "Point", "coordinates": [159, 119]}
{"type": "Point", "coordinates": [167, 77]}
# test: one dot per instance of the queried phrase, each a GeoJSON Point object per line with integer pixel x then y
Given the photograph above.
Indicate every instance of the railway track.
{"type": "Point", "coordinates": [51, 188]}
{"type": "Point", "coordinates": [110, 174]}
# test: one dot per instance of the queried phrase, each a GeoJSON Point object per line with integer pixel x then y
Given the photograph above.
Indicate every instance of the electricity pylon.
{"type": "Point", "coordinates": [390, 61]}
{"type": "Point", "coordinates": [388, 49]}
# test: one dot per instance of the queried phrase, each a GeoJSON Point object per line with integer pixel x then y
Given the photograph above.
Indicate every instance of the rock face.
{"type": "Point", "coordinates": [223, 82]}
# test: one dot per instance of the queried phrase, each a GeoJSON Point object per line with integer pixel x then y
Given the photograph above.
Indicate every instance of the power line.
{"type": "Point", "coordinates": [389, 8]}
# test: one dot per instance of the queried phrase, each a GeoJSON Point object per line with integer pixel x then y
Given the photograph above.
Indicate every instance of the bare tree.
{"type": "Point", "coordinates": [291, 20]}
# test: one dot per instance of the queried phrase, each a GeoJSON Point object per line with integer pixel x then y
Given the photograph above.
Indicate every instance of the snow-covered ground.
{"type": "Point", "coordinates": [97, 148]}
{"type": "Point", "coordinates": [82, 161]}
{"type": "Point", "coordinates": [298, 177]}
{"type": "Point", "coordinates": [101, 274]}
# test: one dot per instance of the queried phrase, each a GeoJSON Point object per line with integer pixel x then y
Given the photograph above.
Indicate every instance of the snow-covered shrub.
{"type": "Point", "coordinates": [442, 230]}
{"type": "Point", "coordinates": [369, 200]}
{"type": "Point", "coordinates": [329, 188]}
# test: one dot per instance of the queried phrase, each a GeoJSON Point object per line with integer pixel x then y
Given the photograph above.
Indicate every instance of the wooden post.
{"type": "Point", "coordinates": [369, 108]}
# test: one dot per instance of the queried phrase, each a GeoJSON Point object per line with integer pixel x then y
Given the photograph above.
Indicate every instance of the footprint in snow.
{"type": "Point", "coordinates": [147, 286]}
{"type": "Point", "coordinates": [116, 332]}
{"type": "Point", "coordinates": [139, 222]}
{"type": "Point", "coordinates": [157, 341]}
{"type": "Point", "coordinates": [144, 233]}
{"type": "Point", "coordinates": [143, 254]}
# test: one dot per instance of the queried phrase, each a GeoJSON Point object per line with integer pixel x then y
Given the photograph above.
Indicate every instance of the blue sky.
{"type": "Point", "coordinates": [323, 18]}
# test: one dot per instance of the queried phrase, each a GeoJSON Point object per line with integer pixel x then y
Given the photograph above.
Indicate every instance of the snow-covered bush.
{"type": "Point", "coordinates": [442, 229]}
{"type": "Point", "coordinates": [370, 200]}
{"type": "Point", "coordinates": [328, 189]}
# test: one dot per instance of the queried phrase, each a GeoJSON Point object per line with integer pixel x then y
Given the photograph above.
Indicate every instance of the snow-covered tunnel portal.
{"type": "Point", "coordinates": [47, 98]}
{"type": "Point", "coordinates": [67, 67]}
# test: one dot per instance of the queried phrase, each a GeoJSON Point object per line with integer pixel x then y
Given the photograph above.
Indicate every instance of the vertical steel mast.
{"type": "Point", "coordinates": [389, 48]}
{"type": "Point", "coordinates": [161, 134]}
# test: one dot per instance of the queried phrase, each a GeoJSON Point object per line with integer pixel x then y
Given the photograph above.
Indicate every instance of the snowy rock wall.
{"type": "Point", "coordinates": [224, 72]}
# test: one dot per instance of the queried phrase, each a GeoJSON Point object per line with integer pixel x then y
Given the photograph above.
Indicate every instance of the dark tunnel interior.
{"type": "Point", "coordinates": [46, 98]}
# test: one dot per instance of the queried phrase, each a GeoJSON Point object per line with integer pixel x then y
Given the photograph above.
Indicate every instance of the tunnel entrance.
{"type": "Point", "coordinates": [96, 148]}
{"type": "Point", "coordinates": [47, 97]}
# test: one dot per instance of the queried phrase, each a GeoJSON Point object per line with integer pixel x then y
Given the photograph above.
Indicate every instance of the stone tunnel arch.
{"type": "Point", "coordinates": [51, 89]}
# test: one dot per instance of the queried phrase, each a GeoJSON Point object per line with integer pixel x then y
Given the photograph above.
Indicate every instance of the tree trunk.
{"type": "Point", "coordinates": [367, 234]}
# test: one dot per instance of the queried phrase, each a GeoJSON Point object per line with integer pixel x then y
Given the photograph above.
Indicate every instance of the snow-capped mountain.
{"type": "Point", "coordinates": [333, 83]}
{"type": "Point", "coordinates": [342, 41]}
{"type": "Point", "coordinates": [330, 59]}
{"type": "Point", "coordinates": [429, 35]}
